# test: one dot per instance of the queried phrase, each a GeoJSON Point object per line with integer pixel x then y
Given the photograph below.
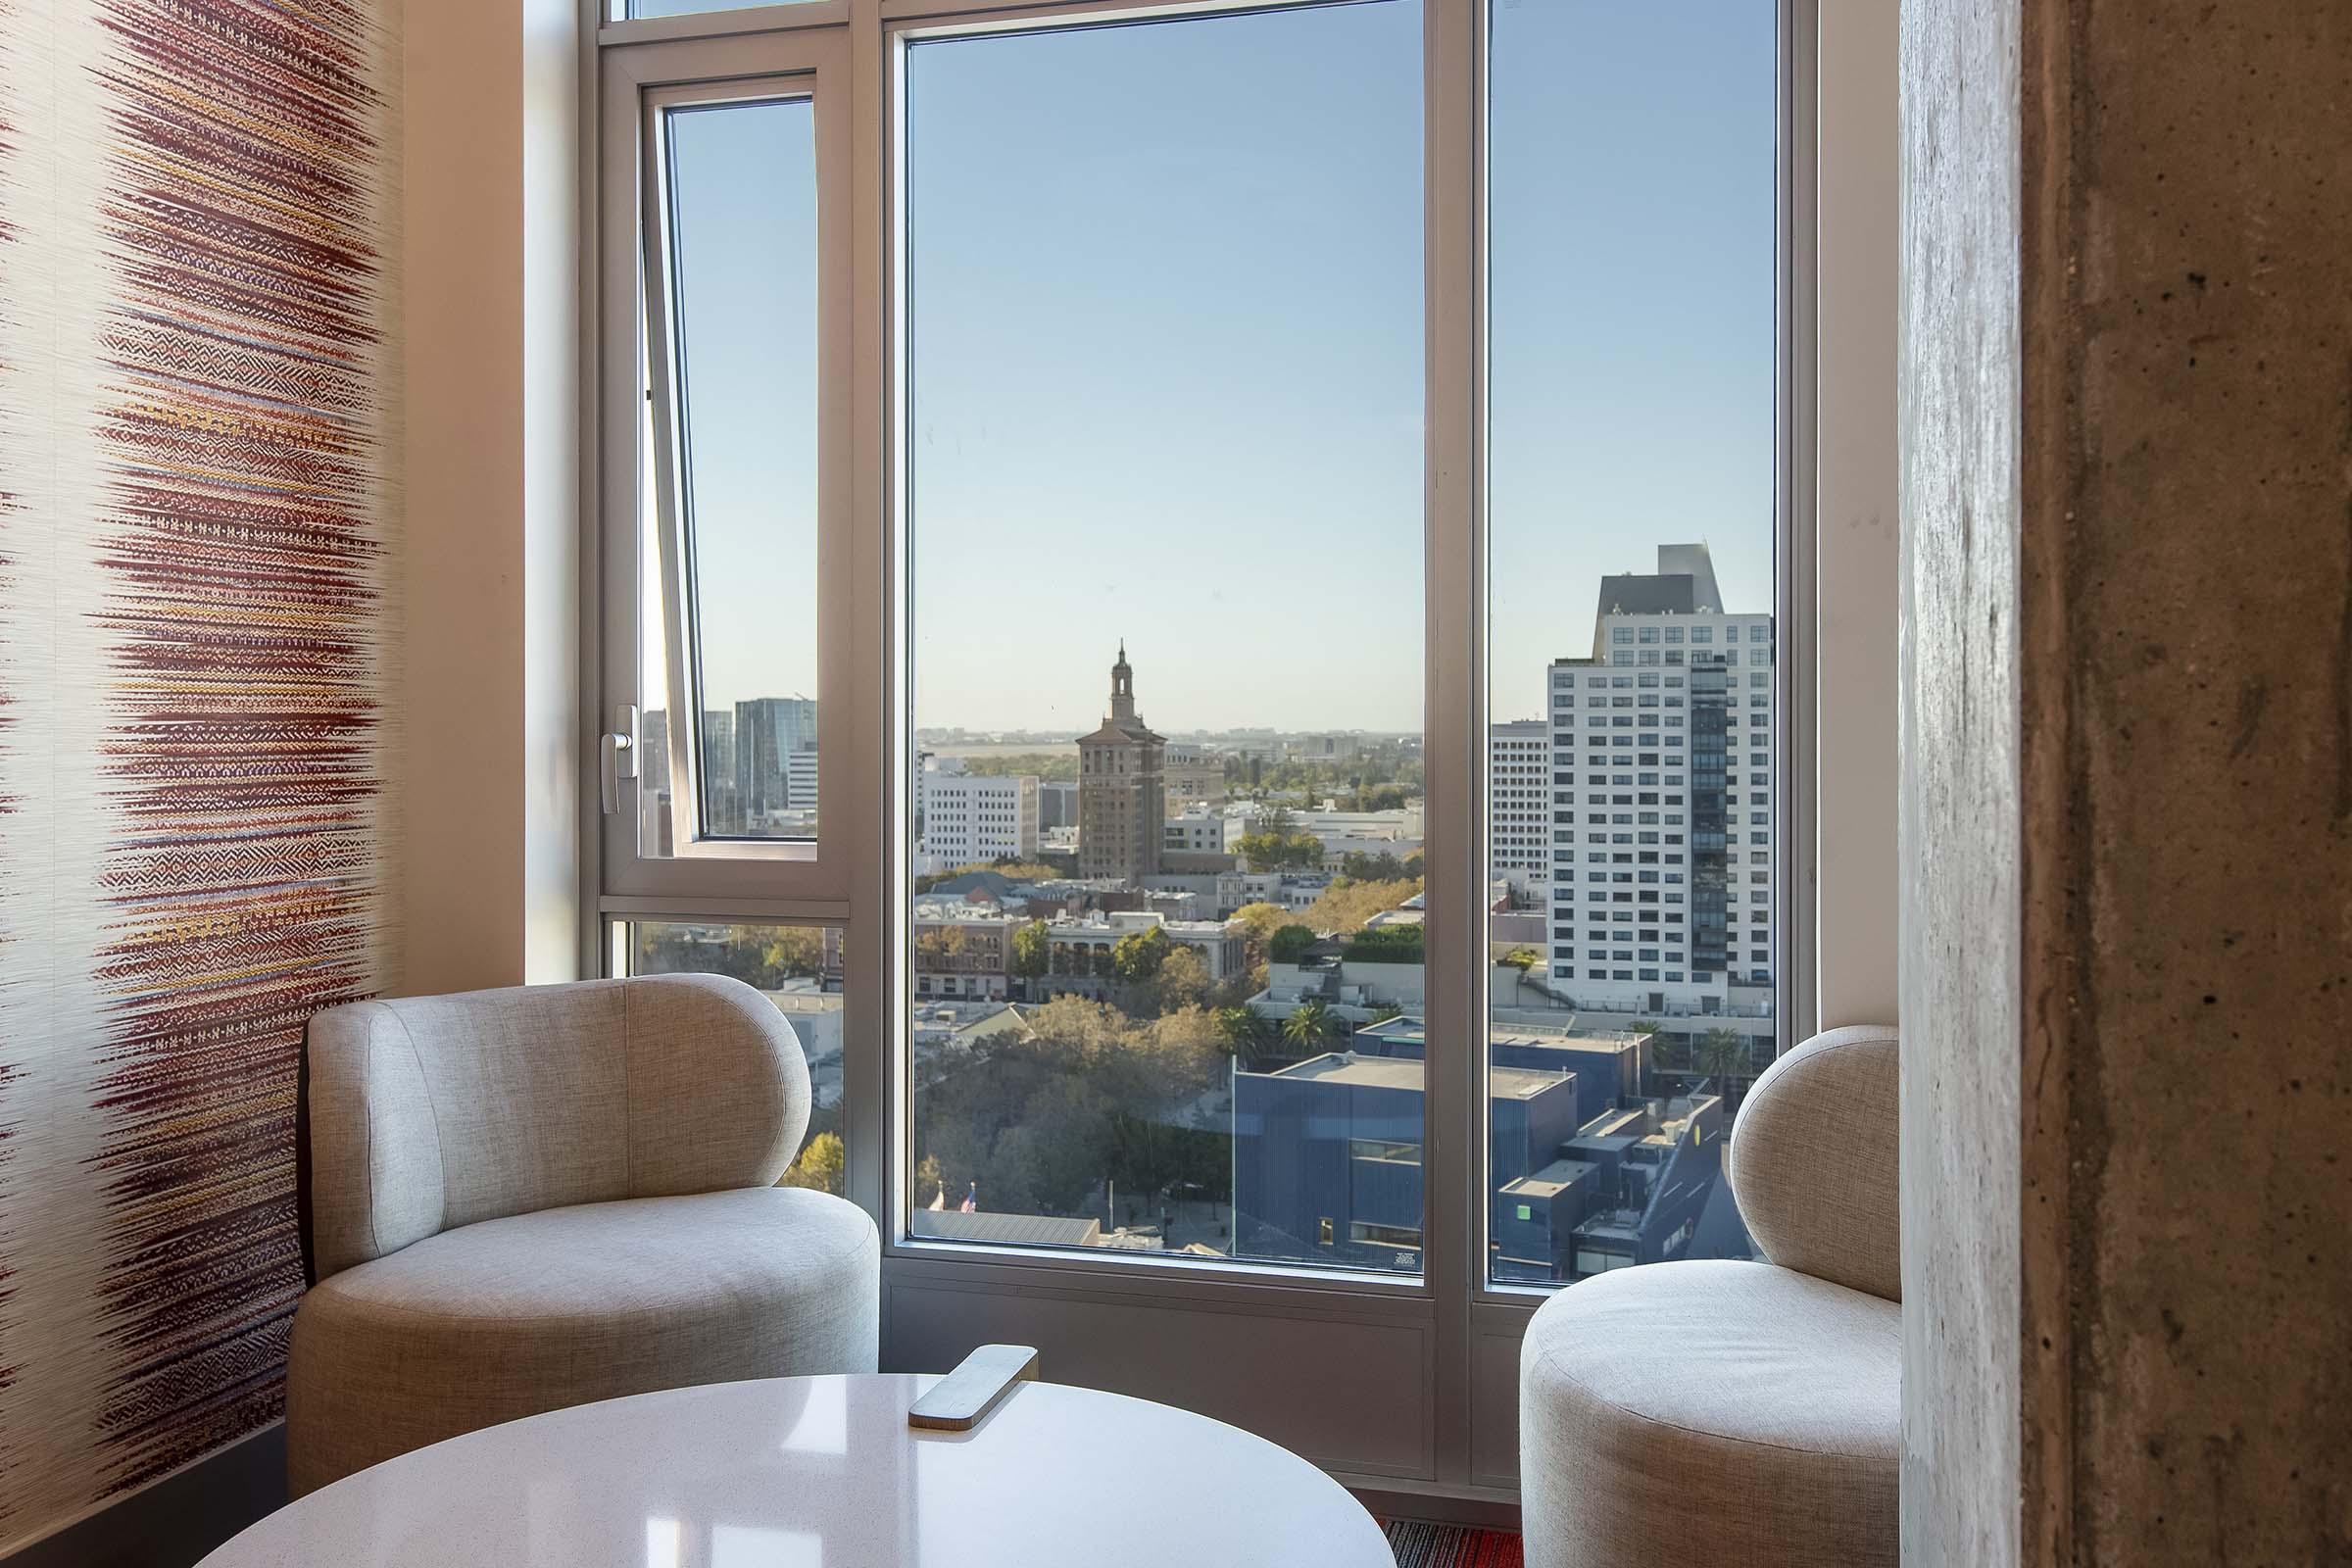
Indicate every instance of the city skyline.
{"type": "Point", "coordinates": [1108, 422]}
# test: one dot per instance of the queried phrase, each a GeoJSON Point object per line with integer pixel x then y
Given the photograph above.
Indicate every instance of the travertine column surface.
{"type": "Point", "coordinates": [2127, 417]}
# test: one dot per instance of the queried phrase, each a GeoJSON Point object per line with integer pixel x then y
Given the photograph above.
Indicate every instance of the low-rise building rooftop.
{"type": "Point", "coordinates": [1551, 1181]}
{"type": "Point", "coordinates": [1405, 1073]}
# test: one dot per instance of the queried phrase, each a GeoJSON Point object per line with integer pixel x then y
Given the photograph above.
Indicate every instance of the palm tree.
{"type": "Point", "coordinates": [1310, 1025]}
{"type": "Point", "coordinates": [1241, 1031]}
{"type": "Point", "coordinates": [1725, 1054]}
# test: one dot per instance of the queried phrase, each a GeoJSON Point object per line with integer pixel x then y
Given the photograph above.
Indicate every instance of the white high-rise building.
{"type": "Point", "coordinates": [1662, 891]}
{"type": "Point", "coordinates": [969, 818]}
{"type": "Point", "coordinates": [800, 781]}
{"type": "Point", "coordinates": [1202, 832]}
{"type": "Point", "coordinates": [1519, 831]}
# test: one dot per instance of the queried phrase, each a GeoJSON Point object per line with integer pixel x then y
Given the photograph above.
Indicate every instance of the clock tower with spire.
{"type": "Point", "coordinates": [1122, 789]}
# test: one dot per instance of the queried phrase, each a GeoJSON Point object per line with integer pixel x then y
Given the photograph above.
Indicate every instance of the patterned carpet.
{"type": "Point", "coordinates": [1420, 1546]}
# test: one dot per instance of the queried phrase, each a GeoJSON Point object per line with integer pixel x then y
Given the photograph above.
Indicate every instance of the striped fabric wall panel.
{"type": "Point", "coordinates": [198, 466]}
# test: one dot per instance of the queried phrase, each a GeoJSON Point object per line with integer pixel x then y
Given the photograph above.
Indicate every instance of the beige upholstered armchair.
{"type": "Point", "coordinates": [516, 1201]}
{"type": "Point", "coordinates": [1739, 1413]}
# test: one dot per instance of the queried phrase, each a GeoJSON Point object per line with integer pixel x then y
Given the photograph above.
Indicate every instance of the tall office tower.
{"type": "Point", "coordinates": [1122, 789]}
{"type": "Point", "coordinates": [1519, 774]}
{"type": "Point", "coordinates": [1662, 807]}
{"type": "Point", "coordinates": [718, 744]}
{"type": "Point", "coordinates": [769, 731]}
{"type": "Point", "coordinates": [654, 830]}
{"type": "Point", "coordinates": [723, 805]}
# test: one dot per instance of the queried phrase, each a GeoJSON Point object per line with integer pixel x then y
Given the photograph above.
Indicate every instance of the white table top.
{"type": "Point", "coordinates": [826, 1473]}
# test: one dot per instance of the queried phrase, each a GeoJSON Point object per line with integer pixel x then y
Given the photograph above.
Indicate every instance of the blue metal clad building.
{"type": "Point", "coordinates": [1608, 1064]}
{"type": "Point", "coordinates": [1327, 1153]}
{"type": "Point", "coordinates": [1327, 1159]}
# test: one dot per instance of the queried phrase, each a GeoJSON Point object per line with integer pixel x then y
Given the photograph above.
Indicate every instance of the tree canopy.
{"type": "Point", "coordinates": [1280, 851]}
{"type": "Point", "coordinates": [1359, 867]}
{"type": "Point", "coordinates": [1048, 766]}
{"type": "Point", "coordinates": [1288, 943]}
{"type": "Point", "coordinates": [1032, 950]}
{"type": "Point", "coordinates": [1017, 871]}
{"type": "Point", "coordinates": [1258, 924]}
{"type": "Point", "coordinates": [821, 1165]}
{"type": "Point", "coordinates": [1035, 1119]}
{"type": "Point", "coordinates": [1385, 944]}
{"type": "Point", "coordinates": [1181, 982]}
{"type": "Point", "coordinates": [1138, 956]}
{"type": "Point", "coordinates": [764, 956]}
{"type": "Point", "coordinates": [1346, 905]}
{"type": "Point", "coordinates": [1726, 1054]}
{"type": "Point", "coordinates": [1240, 1028]}
{"type": "Point", "coordinates": [794, 950]}
{"type": "Point", "coordinates": [1312, 1024]}
{"type": "Point", "coordinates": [941, 944]}
{"type": "Point", "coordinates": [1383, 775]}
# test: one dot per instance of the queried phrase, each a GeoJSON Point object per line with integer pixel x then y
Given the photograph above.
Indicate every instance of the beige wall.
{"type": "Point", "coordinates": [491, 263]}
{"type": "Point", "coordinates": [1856, 577]}
{"type": "Point", "coordinates": [553, 317]}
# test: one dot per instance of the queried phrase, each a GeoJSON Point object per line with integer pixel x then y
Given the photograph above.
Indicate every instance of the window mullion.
{"type": "Point", "coordinates": [1455, 849]}
{"type": "Point", "coordinates": [873, 1082]}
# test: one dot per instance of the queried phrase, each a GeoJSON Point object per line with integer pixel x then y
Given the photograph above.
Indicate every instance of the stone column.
{"type": "Point", "coordinates": [2125, 416]}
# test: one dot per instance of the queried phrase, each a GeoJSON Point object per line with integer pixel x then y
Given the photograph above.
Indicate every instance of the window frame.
{"type": "Point", "coordinates": [852, 52]}
{"type": "Point", "coordinates": [633, 342]}
{"type": "Point", "coordinates": [904, 23]}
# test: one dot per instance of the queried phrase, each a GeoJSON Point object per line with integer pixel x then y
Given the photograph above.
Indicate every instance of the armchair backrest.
{"type": "Point", "coordinates": [1813, 1160]}
{"type": "Point", "coordinates": [425, 1114]}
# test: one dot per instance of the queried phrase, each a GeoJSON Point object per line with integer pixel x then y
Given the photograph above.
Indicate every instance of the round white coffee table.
{"type": "Point", "coordinates": [826, 1473]}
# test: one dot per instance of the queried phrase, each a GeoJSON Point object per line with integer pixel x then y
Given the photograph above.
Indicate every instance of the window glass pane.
{"type": "Point", "coordinates": [1632, 503]}
{"type": "Point", "coordinates": [797, 968]}
{"type": "Point", "coordinates": [741, 197]}
{"type": "Point", "coordinates": [1165, 325]}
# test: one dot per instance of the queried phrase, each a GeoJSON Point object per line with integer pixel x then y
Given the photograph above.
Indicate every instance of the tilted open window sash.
{"type": "Point", "coordinates": [732, 462]}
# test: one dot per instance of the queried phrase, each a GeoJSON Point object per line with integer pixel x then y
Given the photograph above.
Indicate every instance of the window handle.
{"type": "Point", "coordinates": [621, 753]}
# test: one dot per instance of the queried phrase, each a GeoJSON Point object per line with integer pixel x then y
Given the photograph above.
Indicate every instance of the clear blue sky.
{"type": "Point", "coordinates": [1166, 327]}
{"type": "Point", "coordinates": [743, 189]}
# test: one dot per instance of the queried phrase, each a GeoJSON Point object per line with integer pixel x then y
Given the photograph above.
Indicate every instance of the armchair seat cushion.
{"type": "Point", "coordinates": [509, 1317]}
{"type": "Point", "coordinates": [1710, 1412]}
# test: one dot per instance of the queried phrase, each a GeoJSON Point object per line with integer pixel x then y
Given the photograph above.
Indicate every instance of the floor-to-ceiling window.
{"type": "Point", "coordinates": [1271, 524]}
{"type": "Point", "coordinates": [1164, 521]}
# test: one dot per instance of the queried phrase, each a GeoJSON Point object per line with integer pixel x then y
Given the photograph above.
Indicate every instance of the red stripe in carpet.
{"type": "Point", "coordinates": [1420, 1546]}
